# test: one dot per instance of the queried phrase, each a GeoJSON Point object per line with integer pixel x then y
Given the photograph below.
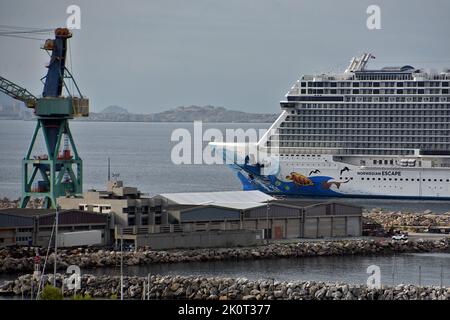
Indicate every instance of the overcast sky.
{"type": "Point", "coordinates": [152, 55]}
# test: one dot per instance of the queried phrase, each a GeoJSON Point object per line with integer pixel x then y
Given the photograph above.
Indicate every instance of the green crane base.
{"type": "Point", "coordinates": [51, 175]}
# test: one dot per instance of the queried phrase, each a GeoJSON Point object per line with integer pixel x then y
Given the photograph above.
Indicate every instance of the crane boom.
{"type": "Point", "coordinates": [17, 92]}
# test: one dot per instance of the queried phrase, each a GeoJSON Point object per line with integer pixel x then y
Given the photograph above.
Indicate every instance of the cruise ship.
{"type": "Point", "coordinates": [381, 133]}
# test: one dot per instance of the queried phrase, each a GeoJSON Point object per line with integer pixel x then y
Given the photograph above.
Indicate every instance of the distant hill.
{"type": "Point", "coordinates": [181, 114]}
{"type": "Point", "coordinates": [11, 109]}
{"type": "Point", "coordinates": [114, 109]}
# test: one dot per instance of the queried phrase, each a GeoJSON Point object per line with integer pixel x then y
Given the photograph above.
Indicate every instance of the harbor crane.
{"type": "Point", "coordinates": [57, 172]}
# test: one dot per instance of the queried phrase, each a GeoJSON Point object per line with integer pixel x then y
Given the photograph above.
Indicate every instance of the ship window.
{"type": "Point", "coordinates": [303, 84]}
{"type": "Point", "coordinates": [429, 179]}
{"type": "Point", "coordinates": [435, 180]}
{"type": "Point", "coordinates": [379, 179]}
{"type": "Point", "coordinates": [373, 178]}
{"type": "Point", "coordinates": [356, 84]}
{"type": "Point", "coordinates": [399, 84]}
{"type": "Point", "coordinates": [374, 161]}
{"type": "Point", "coordinates": [333, 84]}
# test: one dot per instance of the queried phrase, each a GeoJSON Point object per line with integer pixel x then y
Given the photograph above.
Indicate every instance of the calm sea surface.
{"type": "Point", "coordinates": [141, 154]}
{"type": "Point", "coordinates": [423, 268]}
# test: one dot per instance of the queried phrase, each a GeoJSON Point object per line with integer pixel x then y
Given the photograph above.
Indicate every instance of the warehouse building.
{"type": "Point", "coordinates": [285, 219]}
{"type": "Point", "coordinates": [274, 220]}
{"type": "Point", "coordinates": [33, 227]}
{"type": "Point", "coordinates": [245, 211]}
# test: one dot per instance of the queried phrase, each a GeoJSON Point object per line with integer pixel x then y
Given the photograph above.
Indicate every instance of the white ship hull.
{"type": "Point", "coordinates": [322, 176]}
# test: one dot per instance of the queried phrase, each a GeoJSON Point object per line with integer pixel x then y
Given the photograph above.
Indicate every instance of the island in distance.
{"type": "Point", "coordinates": [13, 110]}
{"type": "Point", "coordinates": [181, 114]}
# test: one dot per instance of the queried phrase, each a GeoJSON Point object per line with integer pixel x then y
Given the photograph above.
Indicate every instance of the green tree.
{"type": "Point", "coordinates": [50, 293]}
{"type": "Point", "coordinates": [82, 297]}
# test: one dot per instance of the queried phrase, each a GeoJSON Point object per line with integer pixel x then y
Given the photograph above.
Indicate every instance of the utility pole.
{"type": "Point", "coordinates": [267, 222]}
{"type": "Point", "coordinates": [109, 169]}
{"type": "Point", "coordinates": [56, 246]}
{"type": "Point", "coordinates": [121, 262]}
{"type": "Point", "coordinates": [148, 286]}
{"type": "Point", "coordinates": [420, 275]}
{"type": "Point", "coordinates": [393, 270]}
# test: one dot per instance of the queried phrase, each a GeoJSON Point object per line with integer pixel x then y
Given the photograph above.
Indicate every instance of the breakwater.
{"type": "Point", "coordinates": [21, 259]}
{"type": "Point", "coordinates": [389, 219]}
{"type": "Point", "coordinates": [214, 288]}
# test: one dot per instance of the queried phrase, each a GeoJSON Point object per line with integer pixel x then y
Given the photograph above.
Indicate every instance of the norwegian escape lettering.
{"type": "Point", "coordinates": [379, 173]}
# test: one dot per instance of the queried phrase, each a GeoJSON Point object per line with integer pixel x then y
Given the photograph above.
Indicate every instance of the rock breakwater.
{"type": "Point", "coordinates": [21, 259]}
{"type": "Point", "coordinates": [177, 287]}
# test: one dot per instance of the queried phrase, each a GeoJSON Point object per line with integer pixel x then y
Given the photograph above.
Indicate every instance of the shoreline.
{"type": "Point", "coordinates": [21, 259]}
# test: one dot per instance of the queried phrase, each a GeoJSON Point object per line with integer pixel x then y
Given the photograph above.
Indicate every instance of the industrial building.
{"type": "Point", "coordinates": [222, 218]}
{"type": "Point", "coordinates": [127, 204]}
{"type": "Point", "coordinates": [249, 215]}
{"type": "Point", "coordinates": [33, 227]}
{"type": "Point", "coordinates": [275, 219]}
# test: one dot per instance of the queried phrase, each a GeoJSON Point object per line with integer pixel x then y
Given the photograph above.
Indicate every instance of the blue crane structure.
{"type": "Point", "coordinates": [57, 172]}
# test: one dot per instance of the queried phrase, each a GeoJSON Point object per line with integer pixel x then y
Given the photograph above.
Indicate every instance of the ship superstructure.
{"type": "Point", "coordinates": [365, 133]}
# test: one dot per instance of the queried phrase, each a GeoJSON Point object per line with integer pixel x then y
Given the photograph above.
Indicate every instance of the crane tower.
{"type": "Point", "coordinates": [55, 173]}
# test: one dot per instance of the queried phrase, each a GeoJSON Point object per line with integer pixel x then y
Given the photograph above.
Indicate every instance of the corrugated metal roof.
{"type": "Point", "coordinates": [204, 198]}
{"type": "Point", "coordinates": [240, 205]}
{"type": "Point", "coordinates": [26, 212]}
